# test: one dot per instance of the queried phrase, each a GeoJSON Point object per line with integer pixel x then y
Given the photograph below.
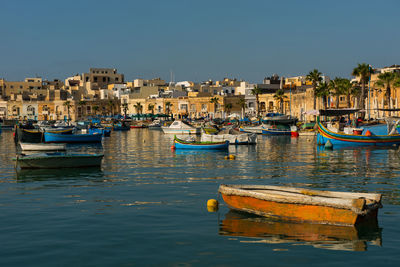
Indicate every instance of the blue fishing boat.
{"type": "Point", "coordinates": [121, 127]}
{"type": "Point", "coordinates": [193, 145]}
{"type": "Point", "coordinates": [55, 160]}
{"type": "Point", "coordinates": [73, 138]}
{"type": "Point", "coordinates": [368, 139]}
{"type": "Point", "coordinates": [276, 131]}
{"type": "Point", "coordinates": [104, 132]}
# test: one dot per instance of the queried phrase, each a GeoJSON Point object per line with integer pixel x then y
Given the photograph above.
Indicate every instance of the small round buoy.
{"type": "Point", "coordinates": [232, 157]}
{"type": "Point", "coordinates": [172, 147]}
{"type": "Point", "coordinates": [212, 205]}
{"type": "Point", "coordinates": [226, 157]}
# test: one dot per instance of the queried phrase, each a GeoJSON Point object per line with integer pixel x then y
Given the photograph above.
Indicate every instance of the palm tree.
{"type": "Point", "coordinates": [256, 91]}
{"type": "Point", "coordinates": [82, 103]}
{"type": "Point", "coordinates": [364, 72]}
{"type": "Point", "coordinates": [228, 107]}
{"type": "Point", "coordinates": [315, 77]}
{"type": "Point", "coordinates": [138, 107]}
{"type": "Point", "coordinates": [150, 107]}
{"type": "Point", "coordinates": [280, 97]}
{"type": "Point", "coordinates": [243, 105]}
{"type": "Point", "coordinates": [388, 79]}
{"type": "Point", "coordinates": [168, 106]}
{"type": "Point", "coordinates": [323, 90]}
{"type": "Point", "coordinates": [214, 101]}
{"type": "Point", "coordinates": [68, 105]}
{"type": "Point", "coordinates": [95, 108]}
{"type": "Point", "coordinates": [125, 107]}
{"type": "Point", "coordinates": [111, 105]}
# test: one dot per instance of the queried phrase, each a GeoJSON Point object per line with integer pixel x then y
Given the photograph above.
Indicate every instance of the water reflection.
{"type": "Point", "coordinates": [30, 175]}
{"type": "Point", "coordinates": [262, 230]}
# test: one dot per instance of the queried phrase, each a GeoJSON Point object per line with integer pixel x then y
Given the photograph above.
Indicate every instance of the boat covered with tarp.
{"type": "Point", "coordinates": [234, 137]}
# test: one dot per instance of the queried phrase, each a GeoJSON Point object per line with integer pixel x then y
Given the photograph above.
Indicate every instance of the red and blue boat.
{"type": "Point", "coordinates": [193, 145]}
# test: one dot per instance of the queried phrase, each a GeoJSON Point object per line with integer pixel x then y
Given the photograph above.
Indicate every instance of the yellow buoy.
{"type": "Point", "coordinates": [232, 157]}
{"type": "Point", "coordinates": [212, 205]}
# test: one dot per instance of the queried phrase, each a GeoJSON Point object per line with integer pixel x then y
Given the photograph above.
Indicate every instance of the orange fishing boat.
{"type": "Point", "coordinates": [303, 205]}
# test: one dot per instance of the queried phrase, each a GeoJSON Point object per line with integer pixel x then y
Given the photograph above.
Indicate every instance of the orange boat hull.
{"type": "Point", "coordinates": [297, 212]}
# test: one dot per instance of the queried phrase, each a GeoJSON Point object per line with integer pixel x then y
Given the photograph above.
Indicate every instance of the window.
{"type": "Point", "coordinates": [193, 107]}
{"type": "Point", "coordinates": [116, 79]}
{"type": "Point", "coordinates": [95, 79]}
{"type": "Point", "coordinates": [203, 107]}
{"type": "Point", "coordinates": [12, 86]}
{"type": "Point", "coordinates": [104, 79]}
{"type": "Point", "coordinates": [342, 98]}
{"type": "Point", "coordinates": [20, 87]}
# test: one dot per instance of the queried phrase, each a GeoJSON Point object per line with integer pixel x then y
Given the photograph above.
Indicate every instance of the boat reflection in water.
{"type": "Point", "coordinates": [89, 173]}
{"type": "Point", "coordinates": [264, 230]}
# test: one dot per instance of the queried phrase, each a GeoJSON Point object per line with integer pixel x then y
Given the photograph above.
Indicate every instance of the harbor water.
{"type": "Point", "coordinates": [146, 206]}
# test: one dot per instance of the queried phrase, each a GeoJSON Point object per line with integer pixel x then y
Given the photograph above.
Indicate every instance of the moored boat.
{"type": "Point", "coordinates": [73, 138]}
{"type": "Point", "coordinates": [304, 205]}
{"type": "Point", "coordinates": [193, 145]}
{"type": "Point", "coordinates": [55, 160]}
{"type": "Point", "coordinates": [355, 139]}
{"type": "Point", "coordinates": [276, 131]}
{"type": "Point", "coordinates": [253, 129]}
{"type": "Point", "coordinates": [31, 135]}
{"type": "Point", "coordinates": [233, 136]}
{"type": "Point", "coordinates": [180, 127]}
{"type": "Point", "coordinates": [42, 147]}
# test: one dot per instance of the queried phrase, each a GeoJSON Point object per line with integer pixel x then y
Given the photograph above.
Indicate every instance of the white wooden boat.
{"type": "Point", "coordinates": [253, 129]}
{"type": "Point", "coordinates": [180, 127]}
{"type": "Point", "coordinates": [42, 147]}
{"type": "Point", "coordinates": [234, 137]}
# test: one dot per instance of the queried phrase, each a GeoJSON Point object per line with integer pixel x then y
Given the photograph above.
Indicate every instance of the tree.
{"type": "Point", "coordinates": [214, 101]}
{"type": "Point", "coordinates": [323, 91]}
{"type": "Point", "coordinates": [151, 107]}
{"type": "Point", "coordinates": [228, 107]}
{"type": "Point", "coordinates": [125, 108]}
{"type": "Point", "coordinates": [111, 106]}
{"type": "Point", "coordinates": [387, 80]}
{"type": "Point", "coordinates": [82, 103]}
{"type": "Point", "coordinates": [314, 76]}
{"type": "Point", "coordinates": [68, 105]}
{"type": "Point", "coordinates": [256, 91]}
{"type": "Point", "coordinates": [95, 108]}
{"type": "Point", "coordinates": [364, 72]}
{"type": "Point", "coordinates": [280, 97]}
{"type": "Point", "coordinates": [138, 107]}
{"type": "Point", "coordinates": [243, 105]}
{"type": "Point", "coordinates": [168, 106]}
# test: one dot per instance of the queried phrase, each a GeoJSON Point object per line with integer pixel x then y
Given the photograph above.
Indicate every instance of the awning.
{"type": "Point", "coordinates": [338, 112]}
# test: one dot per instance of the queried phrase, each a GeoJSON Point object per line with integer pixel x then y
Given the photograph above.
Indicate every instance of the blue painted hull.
{"type": "Point", "coordinates": [340, 139]}
{"type": "Point", "coordinates": [276, 132]}
{"type": "Point", "coordinates": [72, 138]}
{"type": "Point", "coordinates": [202, 146]}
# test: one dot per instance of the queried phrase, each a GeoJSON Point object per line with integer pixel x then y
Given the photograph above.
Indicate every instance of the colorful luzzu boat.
{"type": "Point", "coordinates": [324, 134]}
{"type": "Point", "coordinates": [181, 144]}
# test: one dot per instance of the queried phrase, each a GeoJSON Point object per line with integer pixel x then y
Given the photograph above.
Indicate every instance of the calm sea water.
{"type": "Point", "coordinates": [147, 206]}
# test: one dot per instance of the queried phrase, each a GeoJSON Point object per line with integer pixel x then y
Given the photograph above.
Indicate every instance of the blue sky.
{"type": "Point", "coordinates": [197, 40]}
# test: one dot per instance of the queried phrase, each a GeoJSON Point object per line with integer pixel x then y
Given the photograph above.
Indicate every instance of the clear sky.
{"type": "Point", "coordinates": [198, 39]}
